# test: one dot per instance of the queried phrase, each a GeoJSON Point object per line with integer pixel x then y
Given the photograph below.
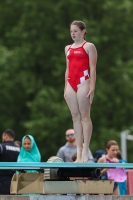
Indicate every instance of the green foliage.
{"type": "Point", "coordinates": [33, 35]}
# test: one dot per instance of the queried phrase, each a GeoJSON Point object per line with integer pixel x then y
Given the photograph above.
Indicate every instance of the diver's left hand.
{"type": "Point", "coordinates": [90, 95]}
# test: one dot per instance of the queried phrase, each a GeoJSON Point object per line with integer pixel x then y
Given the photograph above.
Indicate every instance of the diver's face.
{"type": "Point", "coordinates": [27, 144]}
{"type": "Point", "coordinates": [76, 33]}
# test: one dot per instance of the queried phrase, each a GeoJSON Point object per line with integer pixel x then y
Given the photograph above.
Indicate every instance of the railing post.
{"type": "Point", "coordinates": [124, 135]}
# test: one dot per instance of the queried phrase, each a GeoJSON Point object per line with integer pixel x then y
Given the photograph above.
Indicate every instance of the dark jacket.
{"type": "Point", "coordinates": [8, 153]}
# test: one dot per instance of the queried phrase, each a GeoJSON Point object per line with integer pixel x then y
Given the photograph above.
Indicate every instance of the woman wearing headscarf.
{"type": "Point", "coordinates": [29, 151]}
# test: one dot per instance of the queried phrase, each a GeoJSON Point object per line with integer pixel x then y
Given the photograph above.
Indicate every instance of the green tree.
{"type": "Point", "coordinates": [33, 35]}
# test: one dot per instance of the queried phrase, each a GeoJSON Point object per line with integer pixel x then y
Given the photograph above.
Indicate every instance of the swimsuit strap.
{"type": "Point", "coordinates": [70, 47]}
{"type": "Point", "coordinates": [78, 47]}
{"type": "Point", "coordinates": [83, 44]}
{"type": "Point", "coordinates": [109, 161]}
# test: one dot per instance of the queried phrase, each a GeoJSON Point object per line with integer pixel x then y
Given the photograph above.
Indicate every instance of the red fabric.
{"type": "Point", "coordinates": [78, 66]}
{"type": "Point", "coordinates": [130, 181]}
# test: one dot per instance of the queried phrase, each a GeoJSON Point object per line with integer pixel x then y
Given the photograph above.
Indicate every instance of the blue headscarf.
{"type": "Point", "coordinates": [32, 155]}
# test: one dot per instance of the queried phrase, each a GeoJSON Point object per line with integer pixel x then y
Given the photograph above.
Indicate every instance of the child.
{"type": "Point", "coordinates": [110, 157]}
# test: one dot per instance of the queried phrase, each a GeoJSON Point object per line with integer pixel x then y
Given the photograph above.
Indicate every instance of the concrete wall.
{"type": "Point", "coordinates": [65, 197]}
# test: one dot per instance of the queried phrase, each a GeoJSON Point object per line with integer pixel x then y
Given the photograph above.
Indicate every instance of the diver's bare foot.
{"type": "Point", "coordinates": [79, 155]}
{"type": "Point", "coordinates": [77, 161]}
{"type": "Point", "coordinates": [85, 155]}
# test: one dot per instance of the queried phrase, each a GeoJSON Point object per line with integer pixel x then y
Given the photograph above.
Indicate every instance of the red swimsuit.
{"type": "Point", "coordinates": [78, 64]}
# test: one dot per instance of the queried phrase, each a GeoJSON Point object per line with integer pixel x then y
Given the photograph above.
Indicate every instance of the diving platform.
{"type": "Point", "coordinates": [43, 165]}
{"type": "Point", "coordinates": [61, 178]}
